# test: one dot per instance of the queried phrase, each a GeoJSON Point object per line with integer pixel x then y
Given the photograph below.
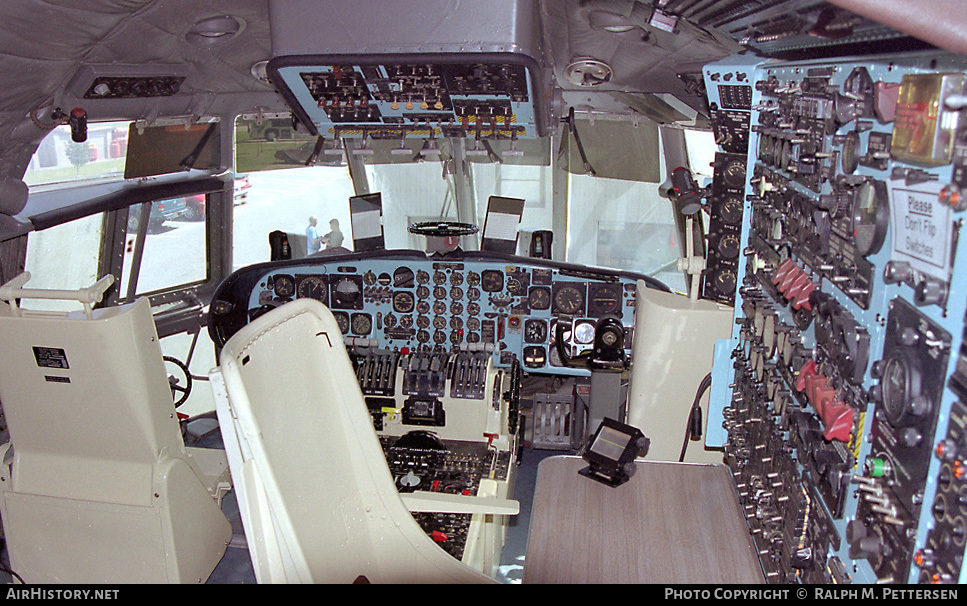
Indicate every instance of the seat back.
{"type": "Point", "coordinates": [87, 403]}
{"type": "Point", "coordinates": [317, 499]}
{"type": "Point", "coordinates": [99, 487]}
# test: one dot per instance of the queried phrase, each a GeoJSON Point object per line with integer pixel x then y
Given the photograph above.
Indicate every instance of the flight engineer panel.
{"type": "Point", "coordinates": [844, 430]}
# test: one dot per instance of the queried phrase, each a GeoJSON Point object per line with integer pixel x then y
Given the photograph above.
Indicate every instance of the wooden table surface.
{"type": "Point", "coordinates": [672, 523]}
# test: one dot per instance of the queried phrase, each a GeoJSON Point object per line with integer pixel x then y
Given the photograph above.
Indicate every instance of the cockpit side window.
{"type": "Point", "coordinates": [59, 159]}
{"type": "Point", "coordinates": [64, 257]}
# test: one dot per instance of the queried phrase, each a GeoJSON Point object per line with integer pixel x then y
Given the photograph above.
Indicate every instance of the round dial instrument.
{"type": "Point", "coordinates": [734, 174]}
{"type": "Point", "coordinates": [584, 333]}
{"type": "Point", "coordinates": [313, 287]}
{"type": "Point", "coordinates": [535, 331]}
{"type": "Point", "coordinates": [342, 320]}
{"type": "Point", "coordinates": [539, 297]}
{"type": "Point", "coordinates": [604, 299]}
{"type": "Point", "coordinates": [284, 285]}
{"type": "Point", "coordinates": [346, 292]}
{"type": "Point", "coordinates": [896, 388]}
{"type": "Point", "coordinates": [731, 211]}
{"type": "Point", "coordinates": [361, 324]}
{"type": "Point", "coordinates": [568, 300]}
{"type": "Point", "coordinates": [403, 302]}
{"type": "Point", "coordinates": [871, 217]}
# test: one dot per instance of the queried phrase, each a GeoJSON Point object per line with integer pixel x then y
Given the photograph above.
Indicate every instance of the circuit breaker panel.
{"type": "Point", "coordinates": [845, 426]}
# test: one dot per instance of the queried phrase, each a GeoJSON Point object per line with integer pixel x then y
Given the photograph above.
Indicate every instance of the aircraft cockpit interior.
{"type": "Point", "coordinates": [521, 291]}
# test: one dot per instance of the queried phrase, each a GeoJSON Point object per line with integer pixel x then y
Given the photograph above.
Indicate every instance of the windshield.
{"type": "Point", "coordinates": [611, 222]}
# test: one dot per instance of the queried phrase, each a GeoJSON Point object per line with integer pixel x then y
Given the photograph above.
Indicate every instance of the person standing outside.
{"type": "Point", "coordinates": [334, 238]}
{"type": "Point", "coordinates": [313, 240]}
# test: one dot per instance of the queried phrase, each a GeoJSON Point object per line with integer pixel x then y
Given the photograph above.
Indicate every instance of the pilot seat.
{"type": "Point", "coordinates": [316, 496]}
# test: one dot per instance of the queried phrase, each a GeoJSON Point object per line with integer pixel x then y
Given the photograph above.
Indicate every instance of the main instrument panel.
{"type": "Point", "coordinates": [845, 427]}
{"type": "Point", "coordinates": [403, 301]}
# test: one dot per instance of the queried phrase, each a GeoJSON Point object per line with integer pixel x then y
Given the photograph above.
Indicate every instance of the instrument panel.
{"type": "Point", "coordinates": [404, 301]}
{"type": "Point", "coordinates": [843, 369]}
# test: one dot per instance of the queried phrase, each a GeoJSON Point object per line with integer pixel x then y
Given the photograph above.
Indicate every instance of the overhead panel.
{"type": "Point", "coordinates": [412, 68]}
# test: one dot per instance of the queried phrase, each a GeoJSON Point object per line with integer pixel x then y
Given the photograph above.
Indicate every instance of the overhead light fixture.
{"type": "Point", "coordinates": [215, 30]}
{"type": "Point", "coordinates": [608, 21]}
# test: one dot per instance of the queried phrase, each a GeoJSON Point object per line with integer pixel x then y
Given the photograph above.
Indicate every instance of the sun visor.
{"type": "Point", "coordinates": [460, 69]}
{"type": "Point", "coordinates": [615, 149]}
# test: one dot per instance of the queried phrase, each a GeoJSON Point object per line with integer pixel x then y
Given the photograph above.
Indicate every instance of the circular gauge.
{"type": "Point", "coordinates": [423, 336]}
{"type": "Point", "coordinates": [439, 277]}
{"type": "Point", "coordinates": [456, 308]}
{"type": "Point", "coordinates": [406, 321]}
{"type": "Point", "coordinates": [473, 323]}
{"type": "Point", "coordinates": [422, 321]}
{"type": "Point", "coordinates": [539, 297]}
{"type": "Point", "coordinates": [871, 217]}
{"type": "Point", "coordinates": [284, 285]}
{"type": "Point", "coordinates": [369, 278]}
{"type": "Point", "coordinates": [899, 385]}
{"type": "Point", "coordinates": [473, 279]}
{"type": "Point", "coordinates": [473, 309]}
{"type": "Point", "coordinates": [724, 281]}
{"type": "Point", "coordinates": [851, 152]}
{"type": "Point", "coordinates": [389, 320]}
{"type": "Point", "coordinates": [439, 292]}
{"type": "Point", "coordinates": [313, 287]}
{"type": "Point", "coordinates": [584, 333]}
{"type": "Point", "coordinates": [456, 279]}
{"type": "Point", "coordinates": [473, 337]}
{"type": "Point", "coordinates": [422, 292]}
{"type": "Point", "coordinates": [456, 337]}
{"type": "Point", "coordinates": [439, 322]}
{"type": "Point", "coordinates": [456, 323]}
{"type": "Point", "coordinates": [342, 320]}
{"type": "Point", "coordinates": [728, 246]}
{"type": "Point", "coordinates": [515, 287]}
{"type": "Point", "coordinates": [346, 293]}
{"type": "Point", "coordinates": [403, 302]}
{"type": "Point", "coordinates": [492, 280]}
{"type": "Point", "coordinates": [456, 293]}
{"type": "Point", "coordinates": [535, 331]}
{"type": "Point", "coordinates": [734, 174]}
{"type": "Point", "coordinates": [568, 300]}
{"type": "Point", "coordinates": [439, 307]}
{"type": "Point", "coordinates": [731, 211]}
{"type": "Point", "coordinates": [604, 299]}
{"type": "Point", "coordinates": [473, 294]}
{"type": "Point", "coordinates": [384, 279]}
{"type": "Point", "coordinates": [361, 324]}
{"type": "Point", "coordinates": [422, 277]}
{"type": "Point", "coordinates": [422, 307]}
{"type": "Point", "coordinates": [439, 337]}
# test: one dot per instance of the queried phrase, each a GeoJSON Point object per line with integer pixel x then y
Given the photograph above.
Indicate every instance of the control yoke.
{"type": "Point", "coordinates": [607, 353]}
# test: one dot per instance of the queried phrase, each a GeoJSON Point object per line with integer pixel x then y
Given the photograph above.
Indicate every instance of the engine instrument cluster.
{"type": "Point", "coordinates": [844, 430]}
